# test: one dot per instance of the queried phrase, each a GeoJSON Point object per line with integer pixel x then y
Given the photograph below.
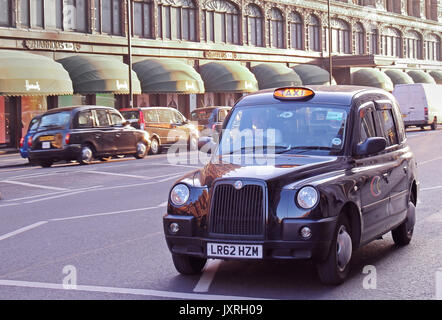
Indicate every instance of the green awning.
{"type": "Point", "coordinates": [227, 76]}
{"type": "Point", "coordinates": [371, 78]}
{"type": "Point", "coordinates": [168, 76]}
{"type": "Point", "coordinates": [273, 75]}
{"type": "Point", "coordinates": [398, 77]}
{"type": "Point", "coordinates": [420, 76]}
{"type": "Point", "coordinates": [27, 74]}
{"type": "Point", "coordinates": [92, 74]}
{"type": "Point", "coordinates": [437, 76]}
{"type": "Point", "coordinates": [312, 75]}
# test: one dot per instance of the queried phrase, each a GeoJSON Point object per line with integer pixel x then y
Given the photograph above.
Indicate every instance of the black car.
{"type": "Point", "coordinates": [83, 133]}
{"type": "Point", "coordinates": [166, 127]}
{"type": "Point", "coordinates": [299, 173]}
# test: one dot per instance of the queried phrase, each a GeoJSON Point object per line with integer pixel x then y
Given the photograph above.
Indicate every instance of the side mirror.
{"type": "Point", "coordinates": [371, 146]}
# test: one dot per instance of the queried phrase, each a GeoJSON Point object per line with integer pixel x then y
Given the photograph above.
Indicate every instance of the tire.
{"type": "Point", "coordinates": [403, 233]}
{"type": "Point", "coordinates": [188, 265]}
{"type": "Point", "coordinates": [46, 163]}
{"type": "Point", "coordinates": [141, 150]}
{"type": "Point", "coordinates": [434, 124]}
{"type": "Point", "coordinates": [335, 268]}
{"type": "Point", "coordinates": [87, 155]}
{"type": "Point", "coordinates": [193, 143]}
{"type": "Point", "coordinates": [154, 146]}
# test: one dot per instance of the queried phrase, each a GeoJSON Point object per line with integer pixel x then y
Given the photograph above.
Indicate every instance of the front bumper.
{"type": "Point", "coordinates": [289, 245]}
{"type": "Point", "coordinates": [70, 152]}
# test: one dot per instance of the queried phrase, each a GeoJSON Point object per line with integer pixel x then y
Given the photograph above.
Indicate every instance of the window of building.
{"type": "Point", "coordinates": [275, 27]}
{"type": "Point", "coordinates": [431, 9]}
{"type": "Point", "coordinates": [5, 13]}
{"type": "Point", "coordinates": [220, 21]}
{"type": "Point", "coordinates": [31, 13]}
{"type": "Point", "coordinates": [414, 45]}
{"type": "Point", "coordinates": [253, 25]}
{"type": "Point", "coordinates": [340, 36]}
{"type": "Point", "coordinates": [142, 19]}
{"type": "Point", "coordinates": [108, 16]}
{"type": "Point", "coordinates": [177, 20]}
{"type": "Point", "coordinates": [359, 39]}
{"type": "Point", "coordinates": [391, 40]}
{"type": "Point", "coordinates": [314, 34]}
{"type": "Point", "coordinates": [414, 8]}
{"type": "Point", "coordinates": [68, 15]}
{"type": "Point", "coordinates": [393, 6]}
{"type": "Point", "coordinates": [373, 36]}
{"type": "Point", "coordinates": [295, 30]}
{"type": "Point", "coordinates": [433, 47]}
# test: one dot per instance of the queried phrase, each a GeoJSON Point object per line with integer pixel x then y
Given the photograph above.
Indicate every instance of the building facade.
{"type": "Point", "coordinates": [213, 37]}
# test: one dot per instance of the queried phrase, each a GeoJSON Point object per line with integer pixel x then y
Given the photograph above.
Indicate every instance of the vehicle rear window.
{"type": "Point", "coordinates": [222, 114]}
{"type": "Point", "coordinates": [201, 115]}
{"type": "Point", "coordinates": [54, 120]}
{"type": "Point", "coordinates": [130, 115]}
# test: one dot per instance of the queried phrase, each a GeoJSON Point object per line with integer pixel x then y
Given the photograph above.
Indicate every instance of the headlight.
{"type": "Point", "coordinates": [179, 194]}
{"type": "Point", "coordinates": [307, 197]}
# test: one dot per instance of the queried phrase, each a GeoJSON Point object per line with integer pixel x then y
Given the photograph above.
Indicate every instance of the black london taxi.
{"type": "Point", "coordinates": [166, 127]}
{"type": "Point", "coordinates": [299, 173]}
{"type": "Point", "coordinates": [83, 133]}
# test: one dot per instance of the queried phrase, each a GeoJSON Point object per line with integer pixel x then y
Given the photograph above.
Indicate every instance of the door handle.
{"type": "Point", "coordinates": [118, 135]}
{"type": "Point", "coordinates": [385, 176]}
{"type": "Point", "coordinates": [405, 169]}
{"type": "Point", "coordinates": [97, 136]}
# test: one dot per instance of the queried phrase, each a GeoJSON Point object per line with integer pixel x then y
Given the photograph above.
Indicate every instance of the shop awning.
{"type": "Point", "coordinates": [437, 76]}
{"type": "Point", "coordinates": [398, 77]}
{"type": "Point", "coordinates": [420, 76]}
{"type": "Point", "coordinates": [92, 74]}
{"type": "Point", "coordinates": [371, 78]}
{"type": "Point", "coordinates": [227, 76]}
{"type": "Point", "coordinates": [312, 75]}
{"type": "Point", "coordinates": [273, 75]}
{"type": "Point", "coordinates": [168, 76]}
{"type": "Point", "coordinates": [27, 74]}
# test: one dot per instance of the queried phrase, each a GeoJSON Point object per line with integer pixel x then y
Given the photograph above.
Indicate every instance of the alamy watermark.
{"type": "Point", "coordinates": [370, 281]}
{"type": "Point", "coordinates": [70, 280]}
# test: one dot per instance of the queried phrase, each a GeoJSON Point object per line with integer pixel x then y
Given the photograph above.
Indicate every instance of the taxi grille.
{"type": "Point", "coordinates": [237, 212]}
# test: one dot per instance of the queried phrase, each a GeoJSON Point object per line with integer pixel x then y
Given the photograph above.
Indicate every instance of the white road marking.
{"type": "Point", "coordinates": [103, 214]}
{"type": "Point", "coordinates": [34, 185]}
{"type": "Point", "coordinates": [431, 188]}
{"type": "Point", "coordinates": [128, 175]}
{"type": "Point", "coordinates": [130, 291]}
{"type": "Point", "coordinates": [21, 230]}
{"type": "Point", "coordinates": [162, 205]}
{"type": "Point", "coordinates": [52, 194]}
{"type": "Point", "coordinates": [428, 161]}
{"type": "Point", "coordinates": [206, 279]}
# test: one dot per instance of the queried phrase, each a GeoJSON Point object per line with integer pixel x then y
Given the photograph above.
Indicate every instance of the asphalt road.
{"type": "Point", "coordinates": [101, 225]}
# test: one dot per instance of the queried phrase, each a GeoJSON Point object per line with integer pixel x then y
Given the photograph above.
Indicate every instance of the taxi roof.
{"type": "Point", "coordinates": [335, 94]}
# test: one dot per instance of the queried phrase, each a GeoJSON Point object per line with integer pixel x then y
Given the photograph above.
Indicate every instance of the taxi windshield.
{"type": "Point", "coordinates": [285, 129]}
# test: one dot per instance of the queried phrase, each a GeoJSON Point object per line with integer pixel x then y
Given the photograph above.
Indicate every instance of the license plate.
{"type": "Point", "coordinates": [47, 138]}
{"type": "Point", "coordinates": [46, 145]}
{"type": "Point", "coordinates": [247, 251]}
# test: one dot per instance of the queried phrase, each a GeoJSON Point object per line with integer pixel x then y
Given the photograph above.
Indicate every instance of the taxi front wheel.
{"type": "Point", "coordinates": [335, 268]}
{"type": "Point", "coordinates": [188, 265]}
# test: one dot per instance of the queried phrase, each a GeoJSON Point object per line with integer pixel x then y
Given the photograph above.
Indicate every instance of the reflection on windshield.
{"type": "Point", "coordinates": [54, 120]}
{"type": "Point", "coordinates": [291, 128]}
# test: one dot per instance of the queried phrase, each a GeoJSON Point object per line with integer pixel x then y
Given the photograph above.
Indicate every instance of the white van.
{"type": "Point", "coordinates": [420, 104]}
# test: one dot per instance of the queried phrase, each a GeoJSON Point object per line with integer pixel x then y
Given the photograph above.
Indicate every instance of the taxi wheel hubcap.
{"type": "Point", "coordinates": [86, 154]}
{"type": "Point", "coordinates": [141, 149]}
{"type": "Point", "coordinates": [154, 146]}
{"type": "Point", "coordinates": [343, 248]}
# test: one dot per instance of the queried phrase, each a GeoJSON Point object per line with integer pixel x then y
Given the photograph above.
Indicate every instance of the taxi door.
{"type": "Point", "coordinates": [372, 176]}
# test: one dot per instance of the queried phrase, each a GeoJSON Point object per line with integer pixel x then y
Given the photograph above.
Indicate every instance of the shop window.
{"type": "Point", "coordinates": [220, 20]}
{"type": "Point", "coordinates": [275, 27]}
{"type": "Point", "coordinates": [414, 45]}
{"type": "Point", "coordinates": [433, 47]}
{"type": "Point", "coordinates": [177, 20]}
{"type": "Point", "coordinates": [5, 13]}
{"type": "Point", "coordinates": [314, 34]}
{"type": "Point", "coordinates": [31, 106]}
{"type": "Point", "coordinates": [295, 29]}
{"type": "Point", "coordinates": [108, 16]}
{"type": "Point", "coordinates": [142, 19]}
{"type": "Point", "coordinates": [253, 24]}
{"type": "Point", "coordinates": [105, 99]}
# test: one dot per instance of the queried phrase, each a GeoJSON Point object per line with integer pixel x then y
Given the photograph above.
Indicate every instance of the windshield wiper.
{"type": "Point", "coordinates": [286, 148]}
{"type": "Point", "coordinates": [306, 148]}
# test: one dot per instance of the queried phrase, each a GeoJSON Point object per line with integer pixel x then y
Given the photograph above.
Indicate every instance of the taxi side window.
{"type": "Point", "coordinates": [368, 128]}
{"type": "Point", "coordinates": [116, 119]}
{"type": "Point", "coordinates": [150, 116]}
{"type": "Point", "coordinates": [103, 120]}
{"type": "Point", "coordinates": [388, 125]}
{"type": "Point", "coordinates": [85, 119]}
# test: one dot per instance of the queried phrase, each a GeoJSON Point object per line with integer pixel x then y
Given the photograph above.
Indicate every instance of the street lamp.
{"type": "Point", "coordinates": [129, 50]}
{"type": "Point", "coordinates": [330, 58]}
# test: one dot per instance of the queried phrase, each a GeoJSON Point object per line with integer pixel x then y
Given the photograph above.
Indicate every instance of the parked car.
{"type": "Point", "coordinates": [420, 104]}
{"type": "Point", "coordinates": [210, 122]}
{"type": "Point", "coordinates": [300, 173]}
{"type": "Point", "coordinates": [84, 133]}
{"type": "Point", "coordinates": [26, 141]}
{"type": "Point", "coordinates": [166, 127]}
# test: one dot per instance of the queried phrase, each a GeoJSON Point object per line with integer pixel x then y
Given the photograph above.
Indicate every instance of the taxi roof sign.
{"type": "Point", "coordinates": [293, 93]}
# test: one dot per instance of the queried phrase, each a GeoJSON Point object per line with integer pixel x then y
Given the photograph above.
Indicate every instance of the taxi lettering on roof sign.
{"type": "Point", "coordinates": [291, 93]}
